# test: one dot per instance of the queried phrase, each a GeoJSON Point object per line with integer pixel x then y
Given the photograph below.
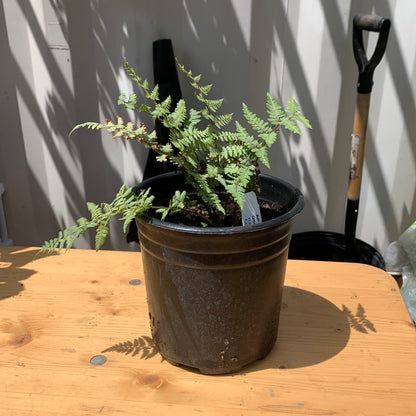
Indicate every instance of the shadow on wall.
{"type": "Point", "coordinates": [83, 53]}
{"type": "Point", "coordinates": [28, 209]}
{"type": "Point", "coordinates": [404, 86]}
{"type": "Point", "coordinates": [332, 161]}
{"type": "Point", "coordinates": [375, 170]}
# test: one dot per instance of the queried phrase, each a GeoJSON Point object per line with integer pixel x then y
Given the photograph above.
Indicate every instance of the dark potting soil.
{"type": "Point", "coordinates": [198, 216]}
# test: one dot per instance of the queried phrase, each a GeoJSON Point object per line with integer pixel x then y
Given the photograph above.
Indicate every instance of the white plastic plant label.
{"type": "Point", "coordinates": [251, 213]}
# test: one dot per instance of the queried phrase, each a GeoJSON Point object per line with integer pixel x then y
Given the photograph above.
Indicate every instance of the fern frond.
{"type": "Point", "coordinates": [227, 136]}
{"type": "Point", "coordinates": [303, 120]}
{"type": "Point", "coordinates": [233, 152]}
{"type": "Point", "coordinates": [165, 104]}
{"type": "Point", "coordinates": [125, 203]}
{"type": "Point", "coordinates": [129, 103]}
{"type": "Point", "coordinates": [286, 118]}
{"type": "Point", "coordinates": [292, 108]}
{"type": "Point", "coordinates": [204, 190]}
{"type": "Point", "coordinates": [222, 120]}
{"type": "Point", "coordinates": [256, 123]}
{"type": "Point", "coordinates": [132, 74]}
{"type": "Point", "coordinates": [128, 131]}
{"type": "Point", "coordinates": [269, 138]}
{"type": "Point", "coordinates": [177, 118]}
{"type": "Point", "coordinates": [293, 111]}
{"type": "Point", "coordinates": [212, 105]}
{"type": "Point", "coordinates": [101, 235]}
{"type": "Point", "coordinates": [199, 146]}
{"type": "Point", "coordinates": [91, 125]}
{"type": "Point", "coordinates": [290, 125]}
{"type": "Point", "coordinates": [274, 110]}
{"type": "Point", "coordinates": [178, 202]}
{"type": "Point", "coordinates": [205, 89]}
{"type": "Point", "coordinates": [253, 148]}
{"type": "Point", "coordinates": [94, 209]}
{"type": "Point", "coordinates": [194, 117]}
{"type": "Point", "coordinates": [236, 180]}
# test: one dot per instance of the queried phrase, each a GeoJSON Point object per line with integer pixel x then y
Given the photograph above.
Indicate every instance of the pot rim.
{"type": "Point", "coordinates": [239, 229]}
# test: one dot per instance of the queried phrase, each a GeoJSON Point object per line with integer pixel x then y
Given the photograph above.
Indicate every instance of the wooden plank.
{"type": "Point", "coordinates": [346, 344]}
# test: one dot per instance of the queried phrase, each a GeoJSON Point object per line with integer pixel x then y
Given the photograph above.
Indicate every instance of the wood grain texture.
{"type": "Point", "coordinates": [346, 345]}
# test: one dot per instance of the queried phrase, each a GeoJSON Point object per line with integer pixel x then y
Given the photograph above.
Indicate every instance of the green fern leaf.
{"type": "Point", "coordinates": [100, 236]}
{"type": "Point", "coordinates": [205, 89]}
{"type": "Point", "coordinates": [177, 118]}
{"type": "Point", "coordinates": [204, 190]}
{"type": "Point", "coordinates": [292, 108]}
{"type": "Point", "coordinates": [129, 103]}
{"type": "Point", "coordinates": [166, 103]}
{"type": "Point", "coordinates": [222, 120]}
{"type": "Point", "coordinates": [269, 138]}
{"type": "Point", "coordinates": [274, 110]}
{"type": "Point", "coordinates": [94, 209]}
{"type": "Point", "coordinates": [213, 105]}
{"type": "Point", "coordinates": [290, 125]}
{"type": "Point", "coordinates": [154, 95]}
{"type": "Point", "coordinates": [302, 119]}
{"type": "Point", "coordinates": [91, 125]}
{"type": "Point", "coordinates": [194, 116]}
{"type": "Point", "coordinates": [256, 123]}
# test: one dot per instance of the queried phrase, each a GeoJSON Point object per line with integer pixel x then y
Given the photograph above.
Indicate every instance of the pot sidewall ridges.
{"type": "Point", "coordinates": [214, 297]}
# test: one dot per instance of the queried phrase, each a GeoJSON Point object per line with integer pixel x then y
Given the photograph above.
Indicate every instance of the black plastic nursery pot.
{"type": "Point", "coordinates": [330, 246]}
{"type": "Point", "coordinates": [214, 294]}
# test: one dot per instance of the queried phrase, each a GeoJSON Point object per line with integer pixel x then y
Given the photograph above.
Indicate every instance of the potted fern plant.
{"type": "Point", "coordinates": [214, 235]}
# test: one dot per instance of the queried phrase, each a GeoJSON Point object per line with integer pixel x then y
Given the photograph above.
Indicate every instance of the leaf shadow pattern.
{"type": "Point", "coordinates": [359, 320]}
{"type": "Point", "coordinates": [143, 345]}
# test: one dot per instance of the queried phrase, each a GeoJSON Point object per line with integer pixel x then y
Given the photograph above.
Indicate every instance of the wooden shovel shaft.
{"type": "Point", "coordinates": [358, 145]}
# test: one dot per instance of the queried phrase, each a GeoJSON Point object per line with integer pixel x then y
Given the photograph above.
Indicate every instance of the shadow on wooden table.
{"type": "Point", "coordinates": [12, 269]}
{"type": "Point", "coordinates": [142, 346]}
{"type": "Point", "coordinates": [311, 330]}
{"type": "Point", "coordinates": [359, 320]}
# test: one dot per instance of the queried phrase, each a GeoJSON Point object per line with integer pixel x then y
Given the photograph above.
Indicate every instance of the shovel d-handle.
{"type": "Point", "coordinates": [372, 23]}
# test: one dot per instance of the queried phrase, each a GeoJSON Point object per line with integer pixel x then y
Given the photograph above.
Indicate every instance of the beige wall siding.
{"type": "Point", "coordinates": [62, 64]}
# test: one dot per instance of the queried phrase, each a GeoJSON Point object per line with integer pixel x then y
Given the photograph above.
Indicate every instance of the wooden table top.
{"type": "Point", "coordinates": [74, 340]}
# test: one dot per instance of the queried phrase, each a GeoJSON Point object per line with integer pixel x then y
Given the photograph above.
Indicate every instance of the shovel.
{"type": "Point", "coordinates": [329, 246]}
